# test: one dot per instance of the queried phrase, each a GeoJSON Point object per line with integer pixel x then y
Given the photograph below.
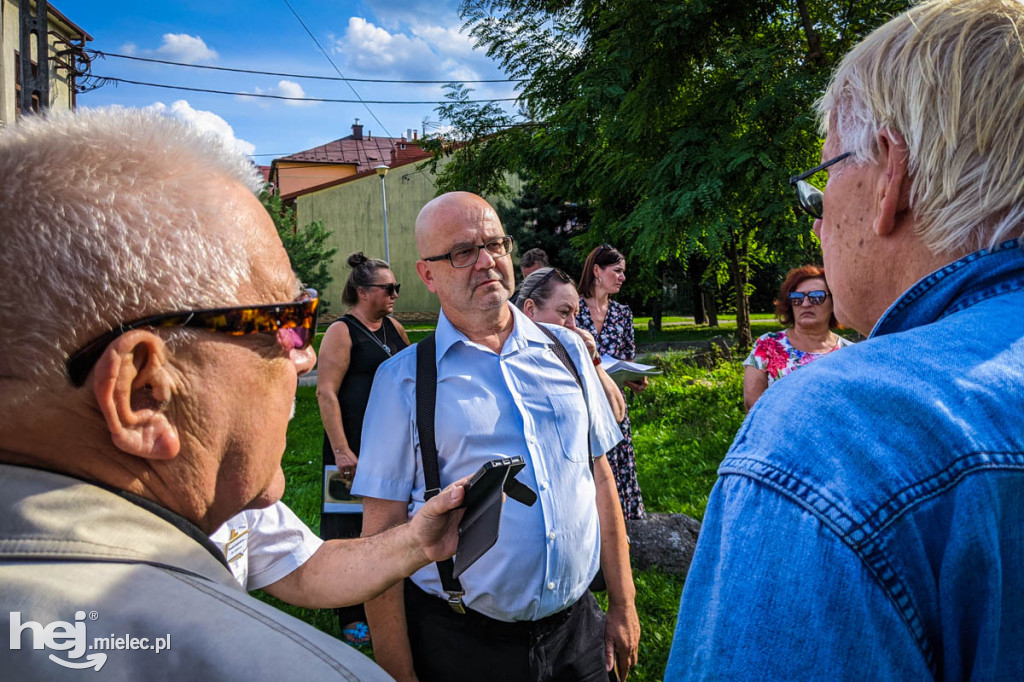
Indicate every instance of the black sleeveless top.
{"type": "Point", "coordinates": [366, 355]}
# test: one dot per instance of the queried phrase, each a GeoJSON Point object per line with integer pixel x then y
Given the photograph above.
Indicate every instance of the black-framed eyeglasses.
{"type": "Point", "coordinates": [293, 323]}
{"type": "Point", "coordinates": [392, 288]}
{"type": "Point", "coordinates": [816, 297]}
{"type": "Point", "coordinates": [466, 256]}
{"type": "Point", "coordinates": [810, 197]}
{"type": "Point", "coordinates": [525, 296]}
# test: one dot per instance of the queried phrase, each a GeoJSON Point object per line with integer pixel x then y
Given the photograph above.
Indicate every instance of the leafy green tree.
{"type": "Point", "coordinates": [307, 246]}
{"type": "Point", "coordinates": [537, 222]}
{"type": "Point", "coordinates": [676, 123]}
{"type": "Point", "coordinates": [470, 141]}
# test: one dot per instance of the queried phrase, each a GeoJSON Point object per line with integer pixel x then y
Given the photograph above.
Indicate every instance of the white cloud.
{"type": "Point", "coordinates": [372, 49]}
{"type": "Point", "coordinates": [204, 120]}
{"type": "Point", "coordinates": [394, 13]}
{"type": "Point", "coordinates": [283, 89]}
{"type": "Point", "coordinates": [423, 51]}
{"type": "Point", "coordinates": [289, 89]}
{"type": "Point", "coordinates": [129, 49]}
{"type": "Point", "coordinates": [181, 47]}
{"type": "Point", "coordinates": [448, 41]}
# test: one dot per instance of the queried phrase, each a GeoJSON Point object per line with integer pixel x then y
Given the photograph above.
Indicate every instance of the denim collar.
{"type": "Point", "coordinates": [956, 286]}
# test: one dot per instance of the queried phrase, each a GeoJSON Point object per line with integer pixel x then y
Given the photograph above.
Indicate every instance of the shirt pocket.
{"type": "Point", "coordinates": [571, 423]}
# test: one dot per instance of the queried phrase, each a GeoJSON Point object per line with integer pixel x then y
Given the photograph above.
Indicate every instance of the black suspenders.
{"type": "Point", "coordinates": [426, 399]}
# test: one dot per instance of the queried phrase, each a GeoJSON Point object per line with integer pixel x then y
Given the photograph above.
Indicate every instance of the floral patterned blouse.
{"type": "Point", "coordinates": [774, 355]}
{"type": "Point", "coordinates": [616, 337]}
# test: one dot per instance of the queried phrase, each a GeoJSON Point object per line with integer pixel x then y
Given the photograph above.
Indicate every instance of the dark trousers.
{"type": "Point", "coordinates": [334, 526]}
{"type": "Point", "coordinates": [564, 647]}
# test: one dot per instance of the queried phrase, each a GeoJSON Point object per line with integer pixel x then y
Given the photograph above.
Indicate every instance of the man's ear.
{"type": "Point", "coordinates": [423, 270]}
{"type": "Point", "coordinates": [132, 387]}
{"type": "Point", "coordinates": [894, 182]}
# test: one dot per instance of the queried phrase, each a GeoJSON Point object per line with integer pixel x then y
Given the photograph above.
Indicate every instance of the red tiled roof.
{"type": "Point", "coordinates": [401, 157]}
{"type": "Point", "coordinates": [367, 152]}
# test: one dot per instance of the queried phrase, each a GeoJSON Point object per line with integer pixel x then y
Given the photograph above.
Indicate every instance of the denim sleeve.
{"type": "Point", "coordinates": [772, 594]}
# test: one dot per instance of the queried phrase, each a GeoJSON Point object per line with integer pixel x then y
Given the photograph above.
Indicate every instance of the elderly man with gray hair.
{"type": "Point", "coordinates": [151, 337]}
{"type": "Point", "coordinates": [868, 521]}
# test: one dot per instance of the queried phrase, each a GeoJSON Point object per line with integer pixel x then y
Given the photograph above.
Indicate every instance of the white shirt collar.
{"type": "Point", "coordinates": [524, 332]}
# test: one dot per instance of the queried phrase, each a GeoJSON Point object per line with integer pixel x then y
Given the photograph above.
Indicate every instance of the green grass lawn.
{"type": "Point", "coordinates": [690, 332]}
{"type": "Point", "coordinates": [668, 320]}
{"type": "Point", "coordinates": [682, 426]}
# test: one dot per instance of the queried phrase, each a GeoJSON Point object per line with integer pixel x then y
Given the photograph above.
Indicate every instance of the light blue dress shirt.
{"type": "Point", "coordinates": [523, 402]}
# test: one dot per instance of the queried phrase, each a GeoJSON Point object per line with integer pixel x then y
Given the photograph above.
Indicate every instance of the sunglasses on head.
{"type": "Point", "coordinates": [810, 198]}
{"type": "Point", "coordinates": [547, 275]}
{"type": "Point", "coordinates": [293, 323]}
{"type": "Point", "coordinates": [392, 288]}
{"type": "Point", "coordinates": [816, 297]}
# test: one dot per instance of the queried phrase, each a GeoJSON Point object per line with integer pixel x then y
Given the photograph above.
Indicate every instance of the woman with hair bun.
{"type": "Point", "coordinates": [351, 350]}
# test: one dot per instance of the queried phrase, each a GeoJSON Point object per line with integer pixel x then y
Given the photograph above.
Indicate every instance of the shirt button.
{"type": "Point", "coordinates": [551, 535]}
{"type": "Point", "coordinates": [551, 586]}
{"type": "Point", "coordinates": [543, 486]}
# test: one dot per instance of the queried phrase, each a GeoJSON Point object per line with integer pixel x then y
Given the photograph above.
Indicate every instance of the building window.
{"type": "Point", "coordinates": [17, 86]}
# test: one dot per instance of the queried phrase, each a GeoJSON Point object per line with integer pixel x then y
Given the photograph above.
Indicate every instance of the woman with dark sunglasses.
{"type": "Point", "coordinates": [804, 307]}
{"type": "Point", "coordinates": [611, 323]}
{"type": "Point", "coordinates": [549, 295]}
{"type": "Point", "coordinates": [351, 350]}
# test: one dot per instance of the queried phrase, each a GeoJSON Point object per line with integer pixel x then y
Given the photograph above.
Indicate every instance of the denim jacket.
{"type": "Point", "coordinates": [868, 520]}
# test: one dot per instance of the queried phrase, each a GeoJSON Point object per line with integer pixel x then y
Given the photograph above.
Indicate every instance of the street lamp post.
{"type": "Point", "coordinates": [382, 170]}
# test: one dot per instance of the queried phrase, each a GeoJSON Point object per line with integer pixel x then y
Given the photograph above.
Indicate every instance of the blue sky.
{"type": "Point", "coordinates": [392, 39]}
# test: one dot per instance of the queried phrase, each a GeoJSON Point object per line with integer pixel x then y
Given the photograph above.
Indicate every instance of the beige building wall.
{"type": "Point", "coordinates": [293, 177]}
{"type": "Point", "coordinates": [352, 213]}
{"type": "Point", "coordinates": [61, 95]}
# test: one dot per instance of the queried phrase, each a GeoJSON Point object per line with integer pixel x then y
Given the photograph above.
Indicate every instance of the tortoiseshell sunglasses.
{"type": "Point", "coordinates": [294, 323]}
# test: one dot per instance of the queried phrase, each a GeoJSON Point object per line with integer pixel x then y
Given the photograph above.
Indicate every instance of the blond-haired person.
{"type": "Point", "coordinates": [868, 521]}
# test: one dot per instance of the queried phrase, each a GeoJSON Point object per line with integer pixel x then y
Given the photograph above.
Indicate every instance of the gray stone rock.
{"type": "Point", "coordinates": [665, 541]}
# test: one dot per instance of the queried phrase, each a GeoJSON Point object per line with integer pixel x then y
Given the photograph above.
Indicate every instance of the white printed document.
{"type": "Point", "coordinates": [622, 371]}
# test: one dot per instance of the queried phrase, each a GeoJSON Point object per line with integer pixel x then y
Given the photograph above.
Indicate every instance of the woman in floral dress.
{"type": "Point", "coordinates": [804, 306]}
{"type": "Point", "coordinates": [611, 324]}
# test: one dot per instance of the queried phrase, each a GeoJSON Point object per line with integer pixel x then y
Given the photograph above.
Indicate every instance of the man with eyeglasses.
{"type": "Point", "coordinates": [868, 521]}
{"type": "Point", "coordinates": [523, 611]}
{"type": "Point", "coordinates": [151, 336]}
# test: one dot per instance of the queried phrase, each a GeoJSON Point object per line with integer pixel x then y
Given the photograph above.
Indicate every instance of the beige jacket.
{"type": "Point", "coordinates": [90, 579]}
